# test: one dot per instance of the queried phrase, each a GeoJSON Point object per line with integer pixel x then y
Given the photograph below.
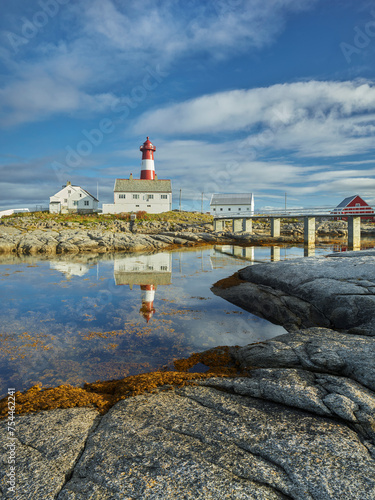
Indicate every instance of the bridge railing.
{"type": "Point", "coordinates": [302, 212]}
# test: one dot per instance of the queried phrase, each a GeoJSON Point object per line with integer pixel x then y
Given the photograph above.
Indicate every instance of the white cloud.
{"type": "Point", "coordinates": [170, 29]}
{"type": "Point", "coordinates": [105, 46]}
{"type": "Point", "coordinates": [55, 85]}
{"type": "Point", "coordinates": [311, 118]}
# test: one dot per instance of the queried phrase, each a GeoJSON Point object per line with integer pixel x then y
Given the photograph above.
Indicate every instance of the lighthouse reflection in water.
{"type": "Point", "coordinates": [147, 272]}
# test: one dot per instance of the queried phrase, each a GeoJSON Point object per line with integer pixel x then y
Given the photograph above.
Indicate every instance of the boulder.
{"type": "Point", "coordinates": [335, 292]}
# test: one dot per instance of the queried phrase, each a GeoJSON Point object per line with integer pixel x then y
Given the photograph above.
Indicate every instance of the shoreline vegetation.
{"type": "Point", "coordinates": [102, 395]}
{"type": "Point", "coordinates": [43, 233]}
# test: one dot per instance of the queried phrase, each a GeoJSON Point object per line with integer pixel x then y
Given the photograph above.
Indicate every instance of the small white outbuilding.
{"type": "Point", "coordinates": [73, 199]}
{"type": "Point", "coordinates": [232, 204]}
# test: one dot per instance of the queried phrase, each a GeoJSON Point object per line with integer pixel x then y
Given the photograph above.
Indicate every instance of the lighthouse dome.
{"type": "Point", "coordinates": [147, 145]}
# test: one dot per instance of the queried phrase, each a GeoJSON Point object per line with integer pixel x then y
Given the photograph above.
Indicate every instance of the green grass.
{"type": "Point", "coordinates": [93, 219]}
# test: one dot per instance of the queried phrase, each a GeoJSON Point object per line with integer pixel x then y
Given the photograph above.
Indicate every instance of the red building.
{"type": "Point", "coordinates": [354, 205]}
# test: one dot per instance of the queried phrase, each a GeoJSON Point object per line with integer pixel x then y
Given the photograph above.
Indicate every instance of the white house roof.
{"type": "Point", "coordinates": [89, 194]}
{"type": "Point", "coordinates": [77, 189]}
{"type": "Point", "coordinates": [231, 199]}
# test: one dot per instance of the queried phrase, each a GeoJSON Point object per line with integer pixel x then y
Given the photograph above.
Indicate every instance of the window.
{"type": "Point", "coordinates": [357, 204]}
{"type": "Point", "coordinates": [65, 200]}
{"type": "Point", "coordinates": [148, 205]}
{"type": "Point", "coordinates": [163, 268]}
{"type": "Point", "coordinates": [228, 209]}
{"type": "Point", "coordinates": [214, 209]}
{"type": "Point", "coordinates": [135, 196]}
{"type": "Point", "coordinates": [137, 205]}
{"type": "Point", "coordinates": [80, 195]}
{"type": "Point", "coordinates": [221, 209]}
{"type": "Point", "coordinates": [122, 195]}
{"type": "Point", "coordinates": [69, 192]}
{"type": "Point", "coordinates": [164, 196]}
{"type": "Point", "coordinates": [75, 203]}
{"type": "Point", "coordinates": [239, 209]}
{"type": "Point", "coordinates": [150, 196]}
{"type": "Point", "coordinates": [86, 203]}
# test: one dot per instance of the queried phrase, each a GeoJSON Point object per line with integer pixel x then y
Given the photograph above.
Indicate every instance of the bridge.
{"type": "Point", "coordinates": [244, 222]}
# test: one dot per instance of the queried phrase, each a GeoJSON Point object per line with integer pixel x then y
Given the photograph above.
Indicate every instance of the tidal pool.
{"type": "Point", "coordinates": [71, 319]}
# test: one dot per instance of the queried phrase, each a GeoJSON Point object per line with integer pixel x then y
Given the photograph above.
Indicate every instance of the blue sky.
{"type": "Point", "coordinates": [262, 96]}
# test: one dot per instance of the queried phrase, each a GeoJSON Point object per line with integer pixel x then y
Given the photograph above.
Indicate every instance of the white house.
{"type": "Point", "coordinates": [232, 204]}
{"type": "Point", "coordinates": [134, 195]}
{"type": "Point", "coordinates": [72, 199]}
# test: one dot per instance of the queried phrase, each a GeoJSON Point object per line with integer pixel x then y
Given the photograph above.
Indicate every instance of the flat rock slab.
{"type": "Point", "coordinates": [319, 350]}
{"type": "Point", "coordinates": [203, 443]}
{"type": "Point", "coordinates": [337, 291]}
{"type": "Point", "coordinates": [47, 447]}
{"type": "Point", "coordinates": [211, 441]}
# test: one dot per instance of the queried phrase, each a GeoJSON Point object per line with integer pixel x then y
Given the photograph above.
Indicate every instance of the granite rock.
{"type": "Point", "coordinates": [47, 447]}
{"type": "Point", "coordinates": [203, 443]}
{"type": "Point", "coordinates": [317, 291]}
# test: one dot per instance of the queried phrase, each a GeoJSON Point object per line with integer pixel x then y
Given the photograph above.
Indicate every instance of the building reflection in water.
{"type": "Point", "coordinates": [69, 268]}
{"type": "Point", "coordinates": [146, 271]}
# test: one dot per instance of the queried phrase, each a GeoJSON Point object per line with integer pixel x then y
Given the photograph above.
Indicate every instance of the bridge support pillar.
{"type": "Point", "coordinates": [309, 250]}
{"type": "Point", "coordinates": [354, 232]}
{"type": "Point", "coordinates": [237, 225]}
{"type": "Point", "coordinates": [309, 231]}
{"type": "Point", "coordinates": [218, 225]}
{"type": "Point", "coordinates": [275, 226]}
{"type": "Point", "coordinates": [247, 225]}
{"type": "Point", "coordinates": [275, 254]}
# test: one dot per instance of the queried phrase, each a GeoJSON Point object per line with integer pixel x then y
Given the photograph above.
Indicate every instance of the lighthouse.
{"type": "Point", "coordinates": [146, 194]}
{"type": "Point", "coordinates": [148, 167]}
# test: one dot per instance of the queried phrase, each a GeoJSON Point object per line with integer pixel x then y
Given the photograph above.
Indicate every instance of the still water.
{"type": "Point", "coordinates": [71, 319]}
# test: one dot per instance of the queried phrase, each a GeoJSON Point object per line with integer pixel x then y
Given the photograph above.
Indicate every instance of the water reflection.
{"type": "Point", "coordinates": [75, 318]}
{"type": "Point", "coordinates": [69, 268]}
{"type": "Point", "coordinates": [147, 271]}
{"type": "Point", "coordinates": [309, 250]}
{"type": "Point", "coordinates": [274, 253]}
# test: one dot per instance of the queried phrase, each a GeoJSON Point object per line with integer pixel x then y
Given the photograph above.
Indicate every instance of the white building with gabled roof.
{"type": "Point", "coordinates": [73, 199]}
{"type": "Point", "coordinates": [147, 194]}
{"type": "Point", "coordinates": [232, 204]}
{"type": "Point", "coordinates": [138, 195]}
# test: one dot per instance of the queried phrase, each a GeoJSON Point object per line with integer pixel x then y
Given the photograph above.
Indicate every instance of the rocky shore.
{"type": "Point", "coordinates": [301, 425]}
{"type": "Point", "coordinates": [30, 236]}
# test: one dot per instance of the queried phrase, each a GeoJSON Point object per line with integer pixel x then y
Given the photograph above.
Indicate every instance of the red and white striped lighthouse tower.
{"type": "Point", "coordinates": [148, 168]}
